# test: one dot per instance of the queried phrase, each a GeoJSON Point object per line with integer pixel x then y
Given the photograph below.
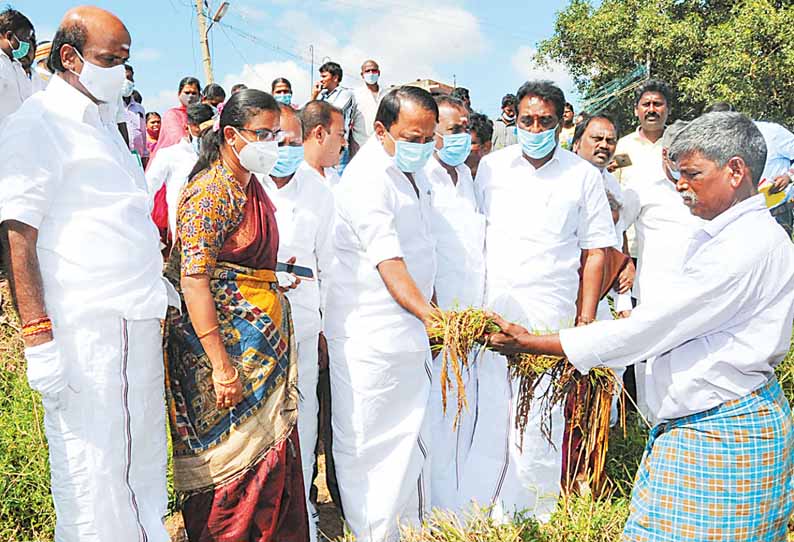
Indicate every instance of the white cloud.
{"type": "Point", "coordinates": [524, 64]}
{"type": "Point", "coordinates": [250, 12]}
{"type": "Point", "coordinates": [161, 102]}
{"type": "Point", "coordinates": [261, 75]}
{"type": "Point", "coordinates": [147, 54]}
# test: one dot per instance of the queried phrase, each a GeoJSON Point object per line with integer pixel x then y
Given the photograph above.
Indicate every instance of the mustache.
{"type": "Point", "coordinates": [690, 195]}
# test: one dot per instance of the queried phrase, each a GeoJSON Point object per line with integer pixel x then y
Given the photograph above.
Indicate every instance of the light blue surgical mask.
{"type": "Point", "coordinates": [195, 142]}
{"type": "Point", "coordinates": [456, 149]}
{"type": "Point", "coordinates": [285, 99]}
{"type": "Point", "coordinates": [410, 157]}
{"type": "Point", "coordinates": [371, 78]}
{"type": "Point", "coordinates": [289, 158]}
{"type": "Point", "coordinates": [22, 49]}
{"type": "Point", "coordinates": [537, 146]}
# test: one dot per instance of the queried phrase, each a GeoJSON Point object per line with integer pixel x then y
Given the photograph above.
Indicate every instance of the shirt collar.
{"type": "Point", "coordinates": [73, 103]}
{"type": "Point", "coordinates": [554, 158]}
{"type": "Point", "coordinates": [714, 226]}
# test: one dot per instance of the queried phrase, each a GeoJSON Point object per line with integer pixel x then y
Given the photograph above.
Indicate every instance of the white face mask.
{"type": "Point", "coordinates": [104, 84]}
{"type": "Point", "coordinates": [258, 157]}
{"type": "Point", "coordinates": [127, 88]}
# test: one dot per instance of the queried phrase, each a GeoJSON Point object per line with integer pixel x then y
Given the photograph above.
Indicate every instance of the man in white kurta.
{"type": "Point", "coordinates": [67, 175]}
{"type": "Point", "coordinates": [538, 222]}
{"type": "Point", "coordinates": [15, 86]}
{"type": "Point", "coordinates": [375, 323]}
{"type": "Point", "coordinates": [459, 230]}
{"type": "Point", "coordinates": [305, 215]}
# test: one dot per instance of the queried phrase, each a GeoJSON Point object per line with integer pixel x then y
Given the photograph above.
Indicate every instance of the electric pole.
{"type": "Point", "coordinates": [204, 39]}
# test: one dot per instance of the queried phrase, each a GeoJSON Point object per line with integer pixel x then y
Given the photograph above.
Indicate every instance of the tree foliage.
{"type": "Point", "coordinates": [707, 50]}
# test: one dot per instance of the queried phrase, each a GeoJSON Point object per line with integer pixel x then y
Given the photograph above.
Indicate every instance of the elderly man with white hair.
{"type": "Point", "coordinates": [719, 465]}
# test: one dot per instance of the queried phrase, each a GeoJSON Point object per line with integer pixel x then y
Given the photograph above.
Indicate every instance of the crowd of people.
{"type": "Point", "coordinates": [272, 270]}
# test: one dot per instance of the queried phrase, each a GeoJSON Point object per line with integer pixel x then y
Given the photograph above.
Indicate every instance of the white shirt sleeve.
{"type": "Point", "coordinates": [324, 248]}
{"type": "Point", "coordinates": [370, 211]}
{"type": "Point", "coordinates": [654, 329]}
{"type": "Point", "coordinates": [158, 172]}
{"type": "Point", "coordinates": [631, 207]}
{"type": "Point", "coordinates": [784, 143]}
{"type": "Point", "coordinates": [30, 172]}
{"type": "Point", "coordinates": [595, 229]}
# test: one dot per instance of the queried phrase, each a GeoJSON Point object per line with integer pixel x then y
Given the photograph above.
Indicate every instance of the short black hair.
{"type": "Point", "coordinates": [12, 20]}
{"type": "Point", "coordinates": [461, 93]}
{"type": "Point", "coordinates": [151, 114]}
{"type": "Point", "coordinates": [74, 34]}
{"type": "Point", "coordinates": [719, 107]}
{"type": "Point", "coordinates": [569, 105]}
{"type": "Point", "coordinates": [280, 81]}
{"type": "Point", "coordinates": [333, 68]}
{"type": "Point", "coordinates": [189, 81]}
{"type": "Point", "coordinates": [128, 68]}
{"type": "Point", "coordinates": [238, 87]}
{"type": "Point", "coordinates": [545, 90]}
{"type": "Point", "coordinates": [389, 108]}
{"type": "Point", "coordinates": [317, 113]}
{"type": "Point", "coordinates": [481, 125]}
{"type": "Point", "coordinates": [654, 85]}
{"type": "Point", "coordinates": [508, 99]}
{"type": "Point", "coordinates": [137, 96]}
{"type": "Point", "coordinates": [214, 91]}
{"type": "Point", "coordinates": [582, 126]}
{"type": "Point", "coordinates": [198, 113]}
{"type": "Point", "coordinates": [443, 99]}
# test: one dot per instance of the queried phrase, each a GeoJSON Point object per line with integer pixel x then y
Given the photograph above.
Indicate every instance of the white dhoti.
{"type": "Point", "coordinates": [499, 472]}
{"type": "Point", "coordinates": [108, 439]}
{"type": "Point", "coordinates": [449, 446]}
{"type": "Point", "coordinates": [308, 408]}
{"type": "Point", "coordinates": [381, 436]}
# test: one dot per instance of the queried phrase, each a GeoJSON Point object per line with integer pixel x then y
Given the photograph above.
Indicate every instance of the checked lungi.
{"type": "Point", "coordinates": [723, 474]}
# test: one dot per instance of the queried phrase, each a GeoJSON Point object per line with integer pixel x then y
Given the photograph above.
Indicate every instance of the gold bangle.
{"type": "Point", "coordinates": [202, 335]}
{"type": "Point", "coordinates": [229, 382]}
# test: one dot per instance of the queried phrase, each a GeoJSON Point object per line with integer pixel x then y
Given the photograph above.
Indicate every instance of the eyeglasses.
{"type": "Point", "coordinates": [263, 134]}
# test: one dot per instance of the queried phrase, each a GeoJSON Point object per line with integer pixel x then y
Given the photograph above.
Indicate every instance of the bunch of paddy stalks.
{"type": "Point", "coordinates": [544, 382]}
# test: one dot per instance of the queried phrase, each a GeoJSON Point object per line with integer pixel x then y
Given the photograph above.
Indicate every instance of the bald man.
{"type": "Point", "coordinates": [86, 275]}
{"type": "Point", "coordinates": [367, 99]}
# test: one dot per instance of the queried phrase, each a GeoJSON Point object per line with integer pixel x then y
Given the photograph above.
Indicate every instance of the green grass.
{"type": "Point", "coordinates": [26, 511]}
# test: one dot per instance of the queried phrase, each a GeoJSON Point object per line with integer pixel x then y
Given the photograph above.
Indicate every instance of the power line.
{"type": "Point", "coordinates": [266, 44]}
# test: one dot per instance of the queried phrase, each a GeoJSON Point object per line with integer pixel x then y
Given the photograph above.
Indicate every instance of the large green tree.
{"type": "Point", "coordinates": [707, 50]}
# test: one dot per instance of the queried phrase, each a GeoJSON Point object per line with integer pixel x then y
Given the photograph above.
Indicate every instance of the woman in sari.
{"type": "Point", "coordinates": [153, 121]}
{"type": "Point", "coordinates": [230, 355]}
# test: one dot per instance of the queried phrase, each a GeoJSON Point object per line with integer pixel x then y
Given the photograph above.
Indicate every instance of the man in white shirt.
{"type": "Point", "coordinates": [17, 37]}
{"type": "Point", "coordinates": [172, 165]}
{"type": "Point", "coordinates": [719, 465]}
{"type": "Point", "coordinates": [305, 214]}
{"type": "Point", "coordinates": [652, 102]}
{"type": "Point", "coordinates": [367, 100]}
{"type": "Point", "coordinates": [663, 227]}
{"type": "Point", "coordinates": [459, 230]}
{"type": "Point", "coordinates": [135, 115]}
{"type": "Point", "coordinates": [86, 271]}
{"type": "Point", "coordinates": [323, 139]}
{"type": "Point", "coordinates": [544, 207]}
{"type": "Point", "coordinates": [377, 309]}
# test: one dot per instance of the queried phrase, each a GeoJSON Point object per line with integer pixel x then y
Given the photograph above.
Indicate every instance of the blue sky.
{"type": "Point", "coordinates": [484, 45]}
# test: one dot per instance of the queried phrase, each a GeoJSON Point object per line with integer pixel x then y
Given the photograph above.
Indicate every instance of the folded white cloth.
{"type": "Point", "coordinates": [46, 369]}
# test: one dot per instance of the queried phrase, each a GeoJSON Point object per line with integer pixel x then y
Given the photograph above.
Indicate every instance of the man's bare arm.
{"type": "Point", "coordinates": [25, 276]}
{"type": "Point", "coordinates": [592, 279]}
{"type": "Point", "coordinates": [403, 289]}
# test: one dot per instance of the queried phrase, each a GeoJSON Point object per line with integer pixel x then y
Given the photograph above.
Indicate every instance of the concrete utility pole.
{"type": "Point", "coordinates": [204, 33]}
{"type": "Point", "coordinates": [204, 39]}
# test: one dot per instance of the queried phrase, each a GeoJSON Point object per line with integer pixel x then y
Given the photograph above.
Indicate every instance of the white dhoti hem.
{"type": "Point", "coordinates": [499, 472]}
{"type": "Point", "coordinates": [108, 441]}
{"type": "Point", "coordinates": [381, 437]}
{"type": "Point", "coordinates": [308, 408]}
{"type": "Point", "coordinates": [449, 447]}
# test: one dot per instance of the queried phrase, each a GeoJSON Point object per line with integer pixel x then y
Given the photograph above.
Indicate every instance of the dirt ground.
{"type": "Point", "coordinates": [330, 522]}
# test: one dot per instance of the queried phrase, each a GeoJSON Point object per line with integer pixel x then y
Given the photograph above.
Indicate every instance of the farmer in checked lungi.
{"type": "Point", "coordinates": [719, 464]}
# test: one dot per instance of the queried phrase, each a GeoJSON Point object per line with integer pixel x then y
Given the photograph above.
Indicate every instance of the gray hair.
{"type": "Point", "coordinates": [672, 131]}
{"type": "Point", "coordinates": [721, 136]}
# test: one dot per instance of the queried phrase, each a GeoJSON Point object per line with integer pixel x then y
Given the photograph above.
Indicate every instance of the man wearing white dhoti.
{"type": "Point", "coordinates": [459, 230]}
{"type": "Point", "coordinates": [86, 273]}
{"type": "Point", "coordinates": [544, 207]}
{"type": "Point", "coordinates": [377, 306]}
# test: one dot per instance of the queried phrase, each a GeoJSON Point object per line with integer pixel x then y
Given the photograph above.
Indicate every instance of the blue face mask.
{"type": "Point", "coordinates": [537, 146]}
{"type": "Point", "coordinates": [195, 142]}
{"type": "Point", "coordinates": [456, 149]}
{"type": "Point", "coordinates": [285, 99]}
{"type": "Point", "coordinates": [410, 157]}
{"type": "Point", "coordinates": [289, 158]}
{"type": "Point", "coordinates": [22, 49]}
